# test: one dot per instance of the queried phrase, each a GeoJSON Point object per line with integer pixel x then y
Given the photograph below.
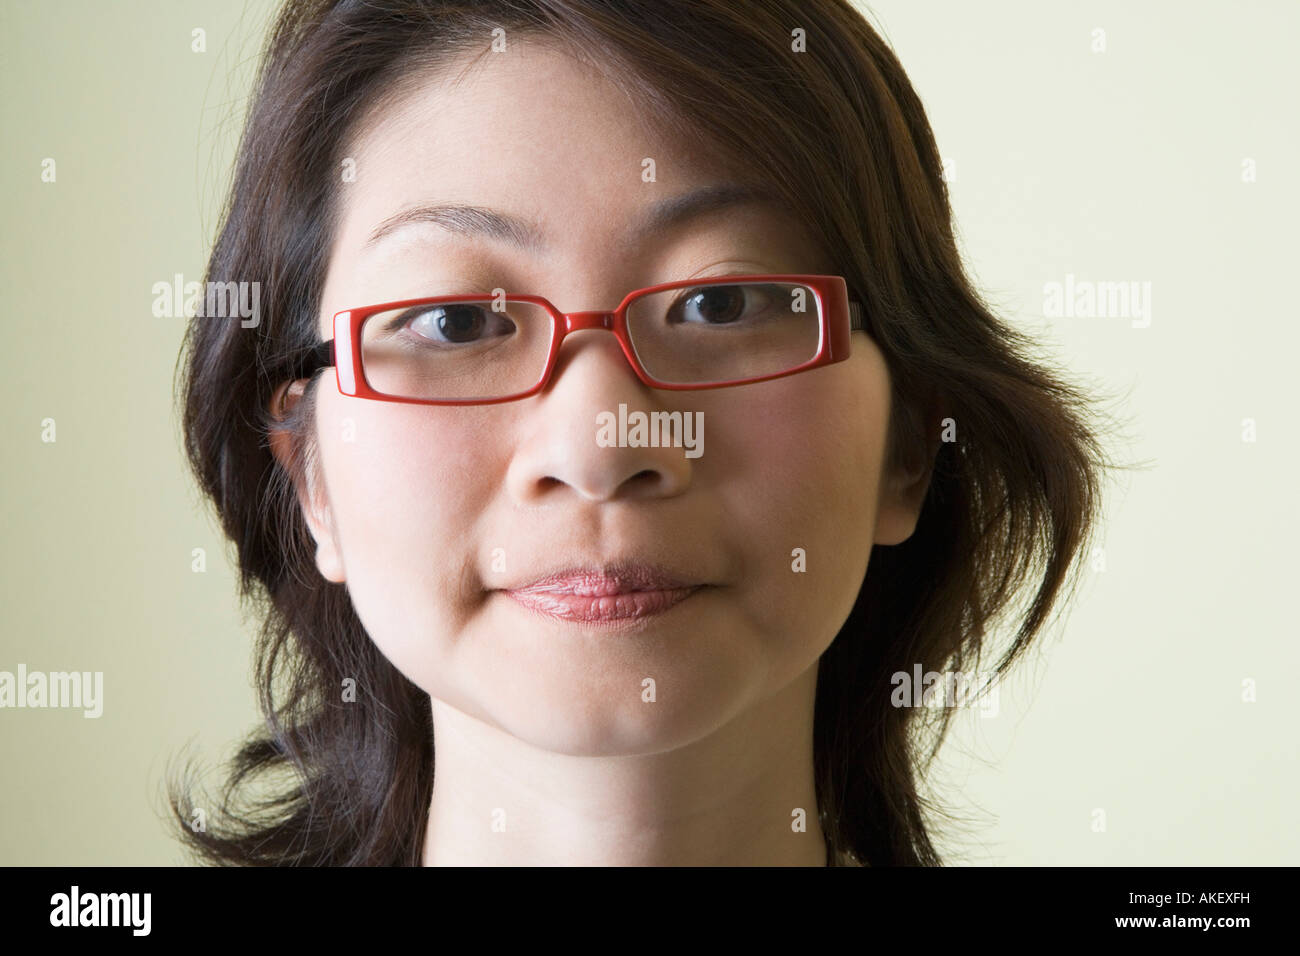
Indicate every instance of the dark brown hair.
{"type": "Point", "coordinates": [839, 132]}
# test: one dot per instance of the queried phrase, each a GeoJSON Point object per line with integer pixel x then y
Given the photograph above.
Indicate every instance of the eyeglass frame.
{"type": "Point", "coordinates": [839, 318]}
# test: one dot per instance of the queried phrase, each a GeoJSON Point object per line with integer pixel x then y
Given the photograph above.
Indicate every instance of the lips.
{"type": "Point", "coordinates": [612, 579]}
{"type": "Point", "coordinates": [606, 595]}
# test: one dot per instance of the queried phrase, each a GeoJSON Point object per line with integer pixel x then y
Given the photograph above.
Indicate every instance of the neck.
{"type": "Point", "coordinates": [741, 795]}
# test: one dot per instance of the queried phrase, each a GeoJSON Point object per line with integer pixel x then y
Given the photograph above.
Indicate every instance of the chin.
{"type": "Point", "coordinates": [599, 726]}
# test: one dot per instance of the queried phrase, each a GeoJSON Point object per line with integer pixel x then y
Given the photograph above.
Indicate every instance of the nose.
{"type": "Point", "coordinates": [560, 451]}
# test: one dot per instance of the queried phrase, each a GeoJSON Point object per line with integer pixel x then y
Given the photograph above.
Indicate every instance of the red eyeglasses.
{"type": "Point", "coordinates": [481, 348]}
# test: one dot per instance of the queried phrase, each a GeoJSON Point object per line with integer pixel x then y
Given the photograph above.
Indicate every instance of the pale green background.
{"type": "Point", "coordinates": [1123, 165]}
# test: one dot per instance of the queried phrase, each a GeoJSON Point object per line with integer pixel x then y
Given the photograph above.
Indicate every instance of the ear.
{"type": "Point", "coordinates": [314, 503]}
{"type": "Point", "coordinates": [903, 487]}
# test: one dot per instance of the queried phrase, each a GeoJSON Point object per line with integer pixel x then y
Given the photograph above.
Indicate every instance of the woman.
{"type": "Point", "coordinates": [620, 651]}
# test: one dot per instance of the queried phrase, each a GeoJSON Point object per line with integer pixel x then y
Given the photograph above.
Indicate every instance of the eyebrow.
{"type": "Point", "coordinates": [482, 222]}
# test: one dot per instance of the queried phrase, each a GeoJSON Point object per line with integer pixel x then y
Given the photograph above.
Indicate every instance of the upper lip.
{"type": "Point", "coordinates": [600, 580]}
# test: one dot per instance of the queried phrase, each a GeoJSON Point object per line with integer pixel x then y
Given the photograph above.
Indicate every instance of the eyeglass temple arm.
{"type": "Point", "coordinates": [321, 355]}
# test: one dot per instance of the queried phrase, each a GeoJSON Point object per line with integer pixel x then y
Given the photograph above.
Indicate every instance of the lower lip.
{"type": "Point", "coordinates": [606, 609]}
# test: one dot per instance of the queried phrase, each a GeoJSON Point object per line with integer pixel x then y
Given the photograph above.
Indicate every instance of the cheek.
{"type": "Point", "coordinates": [406, 489]}
{"type": "Point", "coordinates": [800, 469]}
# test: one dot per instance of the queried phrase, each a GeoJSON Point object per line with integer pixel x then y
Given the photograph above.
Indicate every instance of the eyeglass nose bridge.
{"type": "Point", "coordinates": [595, 320]}
{"type": "Point", "coordinates": [579, 321]}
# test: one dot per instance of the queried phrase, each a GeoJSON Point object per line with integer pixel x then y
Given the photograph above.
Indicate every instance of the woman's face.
{"type": "Point", "coordinates": [431, 513]}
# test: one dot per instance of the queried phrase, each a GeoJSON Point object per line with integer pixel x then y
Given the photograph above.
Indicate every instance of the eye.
{"type": "Point", "coordinates": [454, 323]}
{"type": "Point", "coordinates": [718, 304]}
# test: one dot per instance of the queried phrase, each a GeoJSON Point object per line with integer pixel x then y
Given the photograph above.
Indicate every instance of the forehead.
{"type": "Point", "coordinates": [530, 129]}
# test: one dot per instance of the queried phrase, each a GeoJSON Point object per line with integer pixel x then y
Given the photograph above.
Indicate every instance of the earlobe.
{"type": "Point", "coordinates": [320, 521]}
{"type": "Point", "coordinates": [903, 490]}
{"type": "Point", "coordinates": [315, 509]}
{"type": "Point", "coordinates": [902, 494]}
{"type": "Point", "coordinates": [328, 560]}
